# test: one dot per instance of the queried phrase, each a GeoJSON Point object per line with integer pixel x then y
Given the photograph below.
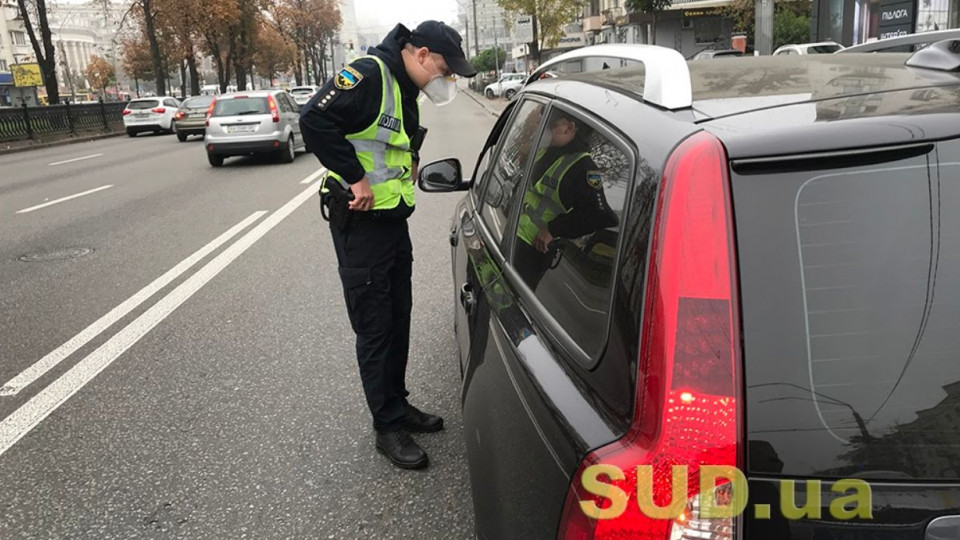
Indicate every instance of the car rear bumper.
{"type": "Point", "coordinates": [239, 148]}
{"type": "Point", "coordinates": [191, 126]}
{"type": "Point", "coordinates": [144, 127]}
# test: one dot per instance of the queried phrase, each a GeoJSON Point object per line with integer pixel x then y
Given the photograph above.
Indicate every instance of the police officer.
{"type": "Point", "coordinates": [567, 200]}
{"type": "Point", "coordinates": [362, 126]}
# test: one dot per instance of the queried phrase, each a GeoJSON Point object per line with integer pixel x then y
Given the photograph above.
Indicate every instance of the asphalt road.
{"type": "Point", "coordinates": [189, 371]}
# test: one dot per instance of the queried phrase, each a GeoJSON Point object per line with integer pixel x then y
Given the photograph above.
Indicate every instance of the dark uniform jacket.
{"type": "Point", "coordinates": [350, 110]}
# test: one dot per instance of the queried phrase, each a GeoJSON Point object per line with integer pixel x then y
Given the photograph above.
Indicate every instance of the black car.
{"type": "Point", "coordinates": [777, 290]}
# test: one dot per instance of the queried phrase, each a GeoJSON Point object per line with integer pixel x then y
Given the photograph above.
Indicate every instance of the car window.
{"type": "Point", "coordinates": [518, 146]}
{"type": "Point", "coordinates": [569, 224]}
{"type": "Point", "coordinates": [171, 102]}
{"type": "Point", "coordinates": [283, 103]}
{"type": "Point", "coordinates": [241, 106]}
{"type": "Point", "coordinates": [201, 102]}
{"type": "Point", "coordinates": [143, 104]}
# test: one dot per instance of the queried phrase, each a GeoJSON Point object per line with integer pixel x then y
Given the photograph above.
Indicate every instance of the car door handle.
{"type": "Point", "coordinates": [454, 238]}
{"type": "Point", "coordinates": [467, 298]}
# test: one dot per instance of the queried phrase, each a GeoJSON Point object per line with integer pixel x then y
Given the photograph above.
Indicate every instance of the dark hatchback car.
{"type": "Point", "coordinates": [777, 289]}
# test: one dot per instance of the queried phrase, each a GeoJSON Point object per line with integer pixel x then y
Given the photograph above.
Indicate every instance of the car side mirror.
{"type": "Point", "coordinates": [442, 176]}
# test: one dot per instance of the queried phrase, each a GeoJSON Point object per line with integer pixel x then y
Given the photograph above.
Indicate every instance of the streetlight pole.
{"type": "Point", "coordinates": [476, 40]}
{"type": "Point", "coordinates": [496, 47]}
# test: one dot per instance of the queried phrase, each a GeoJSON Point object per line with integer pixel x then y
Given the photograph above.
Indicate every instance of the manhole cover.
{"type": "Point", "coordinates": [56, 255]}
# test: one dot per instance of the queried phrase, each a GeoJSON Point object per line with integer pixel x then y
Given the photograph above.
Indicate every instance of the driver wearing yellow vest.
{"type": "Point", "coordinates": [566, 200]}
{"type": "Point", "coordinates": [360, 125]}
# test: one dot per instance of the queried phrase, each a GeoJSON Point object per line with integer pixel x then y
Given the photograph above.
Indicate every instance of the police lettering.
{"type": "Point", "coordinates": [389, 122]}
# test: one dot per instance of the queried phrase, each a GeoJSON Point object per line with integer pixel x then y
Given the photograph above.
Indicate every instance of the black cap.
{"type": "Point", "coordinates": [445, 41]}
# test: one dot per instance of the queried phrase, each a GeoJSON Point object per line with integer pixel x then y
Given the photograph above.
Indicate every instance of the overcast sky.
{"type": "Point", "coordinates": [380, 14]}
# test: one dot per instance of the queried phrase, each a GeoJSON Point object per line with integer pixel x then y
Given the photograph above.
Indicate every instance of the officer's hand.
{"type": "Point", "coordinates": [543, 240]}
{"type": "Point", "coordinates": [414, 170]}
{"type": "Point", "coordinates": [362, 196]}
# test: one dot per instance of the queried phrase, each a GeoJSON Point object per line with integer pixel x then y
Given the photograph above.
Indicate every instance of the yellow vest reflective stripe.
{"type": "Point", "coordinates": [542, 204]}
{"type": "Point", "coordinates": [383, 148]}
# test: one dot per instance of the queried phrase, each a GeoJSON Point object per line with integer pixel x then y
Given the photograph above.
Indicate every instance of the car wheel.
{"type": "Point", "coordinates": [131, 133]}
{"type": "Point", "coordinates": [490, 94]}
{"type": "Point", "coordinates": [288, 154]}
{"type": "Point", "coordinates": [182, 137]}
{"type": "Point", "coordinates": [215, 161]}
{"type": "Point", "coordinates": [509, 94]}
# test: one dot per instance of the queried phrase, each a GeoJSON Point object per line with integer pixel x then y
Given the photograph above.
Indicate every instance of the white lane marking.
{"type": "Point", "coordinates": [322, 171]}
{"type": "Point", "coordinates": [51, 360]}
{"type": "Point", "coordinates": [28, 416]}
{"type": "Point", "coordinates": [58, 201]}
{"type": "Point", "coordinates": [75, 159]}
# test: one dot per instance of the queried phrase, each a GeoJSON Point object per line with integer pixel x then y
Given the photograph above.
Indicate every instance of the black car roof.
{"type": "Point", "coordinates": [741, 85]}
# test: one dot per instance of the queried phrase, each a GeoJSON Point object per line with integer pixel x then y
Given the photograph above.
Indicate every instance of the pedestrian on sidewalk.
{"type": "Point", "coordinates": [364, 126]}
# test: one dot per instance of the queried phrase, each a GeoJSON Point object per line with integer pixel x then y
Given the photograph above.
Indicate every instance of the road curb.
{"type": "Point", "coordinates": [486, 107]}
{"type": "Point", "coordinates": [52, 144]}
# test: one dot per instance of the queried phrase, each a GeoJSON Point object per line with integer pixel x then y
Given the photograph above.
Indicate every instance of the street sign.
{"type": "Point", "coordinates": [523, 29]}
{"type": "Point", "coordinates": [26, 75]}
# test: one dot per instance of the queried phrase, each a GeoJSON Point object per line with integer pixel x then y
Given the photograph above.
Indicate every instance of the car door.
{"type": "Point", "coordinates": [531, 393]}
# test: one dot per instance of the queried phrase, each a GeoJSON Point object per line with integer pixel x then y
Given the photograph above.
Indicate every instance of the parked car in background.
{"type": "Point", "coordinates": [777, 291]}
{"type": "Point", "coordinates": [824, 47]}
{"type": "Point", "coordinates": [717, 53]}
{"type": "Point", "coordinates": [255, 122]}
{"type": "Point", "coordinates": [153, 114]}
{"type": "Point", "coordinates": [903, 44]}
{"type": "Point", "coordinates": [191, 117]}
{"type": "Point", "coordinates": [508, 85]}
{"type": "Point", "coordinates": [303, 94]}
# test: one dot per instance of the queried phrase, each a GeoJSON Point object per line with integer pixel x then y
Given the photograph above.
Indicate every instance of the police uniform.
{"type": "Point", "coordinates": [360, 125]}
{"type": "Point", "coordinates": [567, 199]}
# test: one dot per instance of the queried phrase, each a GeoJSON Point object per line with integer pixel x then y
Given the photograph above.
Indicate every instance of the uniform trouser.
{"type": "Point", "coordinates": [376, 265]}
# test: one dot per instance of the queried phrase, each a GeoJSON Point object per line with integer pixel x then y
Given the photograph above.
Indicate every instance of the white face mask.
{"type": "Point", "coordinates": [441, 90]}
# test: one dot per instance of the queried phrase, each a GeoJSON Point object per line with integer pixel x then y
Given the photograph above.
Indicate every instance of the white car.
{"type": "Point", "coordinates": [824, 47]}
{"type": "Point", "coordinates": [150, 114]}
{"type": "Point", "coordinates": [508, 85]}
{"type": "Point", "coordinates": [303, 94]}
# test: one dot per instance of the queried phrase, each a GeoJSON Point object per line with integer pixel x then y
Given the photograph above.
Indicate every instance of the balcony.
{"type": "Point", "coordinates": [593, 24]}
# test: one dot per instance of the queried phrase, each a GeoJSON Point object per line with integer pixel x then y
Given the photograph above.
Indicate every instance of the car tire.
{"type": "Point", "coordinates": [509, 94]}
{"type": "Point", "coordinates": [215, 160]}
{"type": "Point", "coordinates": [289, 153]}
{"type": "Point", "coordinates": [131, 133]}
{"type": "Point", "coordinates": [490, 94]}
{"type": "Point", "coordinates": [182, 137]}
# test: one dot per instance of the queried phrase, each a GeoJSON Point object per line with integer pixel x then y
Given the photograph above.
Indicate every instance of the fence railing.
{"type": "Point", "coordinates": [21, 123]}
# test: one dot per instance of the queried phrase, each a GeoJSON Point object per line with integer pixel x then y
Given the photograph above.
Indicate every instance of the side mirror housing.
{"type": "Point", "coordinates": [442, 176]}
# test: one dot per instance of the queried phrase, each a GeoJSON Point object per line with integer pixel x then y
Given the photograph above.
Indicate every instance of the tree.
{"type": "Point", "coordinates": [653, 7]}
{"type": "Point", "coordinates": [312, 26]}
{"type": "Point", "coordinates": [549, 18]}
{"type": "Point", "coordinates": [136, 60]}
{"type": "Point", "coordinates": [43, 48]}
{"type": "Point", "coordinates": [100, 73]}
{"type": "Point", "coordinates": [487, 60]}
{"type": "Point", "coordinates": [274, 53]}
{"type": "Point", "coordinates": [791, 21]}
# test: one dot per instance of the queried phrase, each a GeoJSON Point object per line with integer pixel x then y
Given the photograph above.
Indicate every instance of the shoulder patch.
{"type": "Point", "coordinates": [347, 79]}
{"type": "Point", "coordinates": [328, 99]}
{"type": "Point", "coordinates": [595, 179]}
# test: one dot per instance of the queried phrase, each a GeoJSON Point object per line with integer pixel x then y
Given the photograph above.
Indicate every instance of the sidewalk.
{"type": "Point", "coordinates": [14, 147]}
{"type": "Point", "coordinates": [492, 106]}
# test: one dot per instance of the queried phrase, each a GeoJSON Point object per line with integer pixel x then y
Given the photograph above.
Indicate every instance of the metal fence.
{"type": "Point", "coordinates": [21, 123]}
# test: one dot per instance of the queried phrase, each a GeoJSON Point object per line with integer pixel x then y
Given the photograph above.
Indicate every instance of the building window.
{"type": "Point", "coordinates": [933, 15]}
{"type": "Point", "coordinates": [3, 65]}
{"type": "Point", "coordinates": [707, 30]}
{"type": "Point", "coordinates": [18, 38]}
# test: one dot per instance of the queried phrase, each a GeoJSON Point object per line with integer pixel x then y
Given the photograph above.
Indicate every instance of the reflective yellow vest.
{"type": "Point", "coordinates": [542, 204]}
{"type": "Point", "coordinates": [383, 152]}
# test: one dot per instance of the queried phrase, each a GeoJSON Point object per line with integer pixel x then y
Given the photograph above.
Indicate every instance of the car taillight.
{"type": "Point", "coordinates": [180, 115]}
{"type": "Point", "coordinates": [687, 411]}
{"type": "Point", "coordinates": [210, 111]}
{"type": "Point", "coordinates": [126, 112]}
{"type": "Point", "coordinates": [158, 110]}
{"type": "Point", "coordinates": [274, 112]}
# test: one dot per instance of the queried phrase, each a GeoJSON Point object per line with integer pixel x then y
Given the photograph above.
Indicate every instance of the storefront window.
{"type": "Point", "coordinates": [955, 14]}
{"type": "Point", "coordinates": [867, 21]}
{"type": "Point", "coordinates": [933, 15]}
{"type": "Point", "coordinates": [835, 21]}
{"type": "Point", "coordinates": [707, 30]}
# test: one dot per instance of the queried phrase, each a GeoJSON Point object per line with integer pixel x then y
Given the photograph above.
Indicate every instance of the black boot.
{"type": "Point", "coordinates": [401, 449]}
{"type": "Point", "coordinates": [420, 422]}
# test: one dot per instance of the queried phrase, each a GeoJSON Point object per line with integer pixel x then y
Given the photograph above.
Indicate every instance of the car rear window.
{"type": "Point", "coordinates": [201, 102]}
{"type": "Point", "coordinates": [241, 106]}
{"type": "Point", "coordinates": [301, 90]}
{"type": "Point", "coordinates": [850, 284]}
{"type": "Point", "coordinates": [143, 104]}
{"type": "Point", "coordinates": [823, 49]}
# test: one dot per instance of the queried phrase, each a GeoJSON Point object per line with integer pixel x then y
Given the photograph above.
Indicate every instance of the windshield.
{"type": "Point", "coordinates": [241, 106]}
{"type": "Point", "coordinates": [823, 49]}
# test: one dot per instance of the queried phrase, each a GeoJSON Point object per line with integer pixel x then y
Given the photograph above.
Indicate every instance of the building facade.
{"type": "Point", "coordinates": [487, 26]}
{"type": "Point", "coordinates": [15, 48]}
{"type": "Point", "coordinates": [852, 22]}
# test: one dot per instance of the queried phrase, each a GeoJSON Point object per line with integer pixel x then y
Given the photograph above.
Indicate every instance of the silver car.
{"type": "Point", "coordinates": [255, 122]}
{"type": "Point", "coordinates": [303, 94]}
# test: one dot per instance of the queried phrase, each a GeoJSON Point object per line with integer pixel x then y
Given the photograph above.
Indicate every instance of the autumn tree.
{"type": "Point", "coordinates": [549, 18]}
{"type": "Point", "coordinates": [100, 73]}
{"type": "Point", "coordinates": [311, 25]}
{"type": "Point", "coordinates": [274, 52]}
{"type": "Point", "coordinates": [136, 61]}
{"type": "Point", "coordinates": [43, 48]}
